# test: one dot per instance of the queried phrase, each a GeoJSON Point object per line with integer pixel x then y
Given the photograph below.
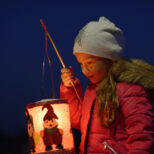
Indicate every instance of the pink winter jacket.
{"type": "Point", "coordinates": [132, 132]}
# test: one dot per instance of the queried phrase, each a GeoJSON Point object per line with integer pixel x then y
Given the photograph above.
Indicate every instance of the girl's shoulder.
{"type": "Point", "coordinates": [133, 99]}
{"type": "Point", "coordinates": [134, 76]}
{"type": "Point", "coordinates": [127, 90]}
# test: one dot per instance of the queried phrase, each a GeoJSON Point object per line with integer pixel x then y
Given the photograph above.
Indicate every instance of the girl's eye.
{"type": "Point", "coordinates": [89, 63]}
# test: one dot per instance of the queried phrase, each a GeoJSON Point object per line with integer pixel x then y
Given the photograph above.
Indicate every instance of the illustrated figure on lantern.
{"type": "Point", "coordinates": [51, 133]}
{"type": "Point", "coordinates": [30, 130]}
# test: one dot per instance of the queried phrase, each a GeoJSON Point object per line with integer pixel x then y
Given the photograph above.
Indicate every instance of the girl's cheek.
{"type": "Point", "coordinates": [97, 67]}
{"type": "Point", "coordinates": [102, 66]}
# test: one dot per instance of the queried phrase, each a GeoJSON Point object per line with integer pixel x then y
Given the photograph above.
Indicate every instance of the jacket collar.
{"type": "Point", "coordinates": [135, 71]}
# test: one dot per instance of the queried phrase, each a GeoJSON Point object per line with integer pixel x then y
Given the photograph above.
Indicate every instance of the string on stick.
{"type": "Point", "coordinates": [50, 66]}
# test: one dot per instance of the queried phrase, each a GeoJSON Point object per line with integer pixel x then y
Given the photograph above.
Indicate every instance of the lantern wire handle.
{"type": "Point", "coordinates": [43, 93]}
{"type": "Point", "coordinates": [44, 27]}
{"type": "Point", "coordinates": [50, 66]}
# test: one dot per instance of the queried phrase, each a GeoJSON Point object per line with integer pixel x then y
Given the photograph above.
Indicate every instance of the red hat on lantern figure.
{"type": "Point", "coordinates": [50, 113]}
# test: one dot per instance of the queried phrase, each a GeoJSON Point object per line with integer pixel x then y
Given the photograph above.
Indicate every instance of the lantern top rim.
{"type": "Point", "coordinates": [45, 101]}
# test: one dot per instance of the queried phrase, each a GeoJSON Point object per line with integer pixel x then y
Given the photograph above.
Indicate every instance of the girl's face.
{"type": "Point", "coordinates": [94, 68]}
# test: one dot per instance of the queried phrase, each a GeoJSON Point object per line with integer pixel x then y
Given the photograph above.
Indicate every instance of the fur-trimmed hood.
{"type": "Point", "coordinates": [135, 71]}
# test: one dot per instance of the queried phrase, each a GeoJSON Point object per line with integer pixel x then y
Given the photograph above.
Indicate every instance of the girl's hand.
{"type": "Point", "coordinates": [67, 76]}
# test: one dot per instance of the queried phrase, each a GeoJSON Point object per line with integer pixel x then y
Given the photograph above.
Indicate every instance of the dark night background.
{"type": "Point", "coordinates": [22, 49]}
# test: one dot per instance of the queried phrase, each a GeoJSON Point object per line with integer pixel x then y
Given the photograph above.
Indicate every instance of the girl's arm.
{"type": "Point", "coordinates": [69, 94]}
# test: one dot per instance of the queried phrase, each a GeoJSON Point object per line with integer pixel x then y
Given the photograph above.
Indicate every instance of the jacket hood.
{"type": "Point", "coordinates": [135, 71]}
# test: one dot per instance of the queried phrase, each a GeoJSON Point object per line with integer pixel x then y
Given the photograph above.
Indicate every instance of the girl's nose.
{"type": "Point", "coordinates": [85, 69]}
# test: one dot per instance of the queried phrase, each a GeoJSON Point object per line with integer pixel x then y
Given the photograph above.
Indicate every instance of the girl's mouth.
{"type": "Point", "coordinates": [89, 77]}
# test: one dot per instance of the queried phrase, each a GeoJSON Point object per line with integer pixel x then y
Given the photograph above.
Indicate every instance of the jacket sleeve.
{"type": "Point", "coordinates": [74, 104]}
{"type": "Point", "coordinates": [139, 119]}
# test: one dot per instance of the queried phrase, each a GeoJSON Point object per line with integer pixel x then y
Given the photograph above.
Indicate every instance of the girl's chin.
{"type": "Point", "coordinates": [94, 81]}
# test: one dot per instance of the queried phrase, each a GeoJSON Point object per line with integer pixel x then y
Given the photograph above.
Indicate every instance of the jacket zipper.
{"type": "Point", "coordinates": [106, 145]}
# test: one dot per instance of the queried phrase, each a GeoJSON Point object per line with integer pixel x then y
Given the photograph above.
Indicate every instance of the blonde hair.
{"type": "Point", "coordinates": [107, 99]}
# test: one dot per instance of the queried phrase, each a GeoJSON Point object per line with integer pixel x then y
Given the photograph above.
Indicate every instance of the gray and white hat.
{"type": "Point", "coordinates": [102, 39]}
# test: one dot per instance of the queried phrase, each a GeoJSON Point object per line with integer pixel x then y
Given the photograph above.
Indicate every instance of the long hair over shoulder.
{"type": "Point", "coordinates": [107, 99]}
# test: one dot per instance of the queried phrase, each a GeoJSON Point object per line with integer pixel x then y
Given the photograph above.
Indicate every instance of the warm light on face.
{"type": "Point", "coordinates": [48, 128]}
{"type": "Point", "coordinates": [94, 68]}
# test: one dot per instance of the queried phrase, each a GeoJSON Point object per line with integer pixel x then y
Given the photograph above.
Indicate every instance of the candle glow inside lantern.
{"type": "Point", "coordinates": [48, 126]}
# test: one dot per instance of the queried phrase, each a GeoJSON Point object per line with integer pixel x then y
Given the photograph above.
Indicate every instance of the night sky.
{"type": "Point", "coordinates": [22, 45]}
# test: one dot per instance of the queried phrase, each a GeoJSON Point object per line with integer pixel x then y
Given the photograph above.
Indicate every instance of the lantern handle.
{"type": "Point", "coordinates": [45, 29]}
{"type": "Point", "coordinates": [50, 66]}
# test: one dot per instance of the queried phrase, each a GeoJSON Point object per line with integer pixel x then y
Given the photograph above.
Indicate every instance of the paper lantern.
{"type": "Point", "coordinates": [48, 126]}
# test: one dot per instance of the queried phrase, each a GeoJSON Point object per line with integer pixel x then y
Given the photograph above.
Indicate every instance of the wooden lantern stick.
{"type": "Point", "coordinates": [44, 27]}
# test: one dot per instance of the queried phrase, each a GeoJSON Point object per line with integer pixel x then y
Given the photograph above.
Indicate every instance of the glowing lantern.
{"type": "Point", "coordinates": [48, 126]}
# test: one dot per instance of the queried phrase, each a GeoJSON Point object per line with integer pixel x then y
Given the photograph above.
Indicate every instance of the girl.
{"type": "Point", "coordinates": [115, 115]}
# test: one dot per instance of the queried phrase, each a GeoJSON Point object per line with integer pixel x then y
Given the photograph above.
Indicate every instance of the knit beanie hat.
{"type": "Point", "coordinates": [101, 39]}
